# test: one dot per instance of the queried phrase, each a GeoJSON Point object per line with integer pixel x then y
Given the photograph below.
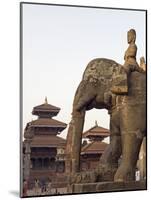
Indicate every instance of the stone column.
{"type": "Point", "coordinates": [28, 135]}
{"type": "Point", "coordinates": [68, 163]}
{"type": "Point", "coordinates": [27, 161]}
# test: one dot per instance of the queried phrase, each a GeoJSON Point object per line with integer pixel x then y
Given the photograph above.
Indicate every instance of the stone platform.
{"type": "Point", "coordinates": [106, 187]}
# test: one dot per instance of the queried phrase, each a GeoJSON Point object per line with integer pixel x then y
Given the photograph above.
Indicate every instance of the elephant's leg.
{"type": "Point", "coordinates": [110, 157]}
{"type": "Point", "coordinates": [78, 122]}
{"type": "Point", "coordinates": [73, 147]}
{"type": "Point", "coordinates": [133, 126]}
{"type": "Point", "coordinates": [131, 144]}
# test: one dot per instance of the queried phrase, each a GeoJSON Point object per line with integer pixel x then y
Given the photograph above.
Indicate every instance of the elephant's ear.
{"type": "Point", "coordinates": [119, 81]}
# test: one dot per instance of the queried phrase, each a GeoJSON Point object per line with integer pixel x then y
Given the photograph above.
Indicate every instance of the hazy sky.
{"type": "Point", "coordinates": [58, 43]}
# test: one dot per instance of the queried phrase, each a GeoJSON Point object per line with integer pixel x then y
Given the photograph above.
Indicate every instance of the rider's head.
{"type": "Point", "coordinates": [131, 36]}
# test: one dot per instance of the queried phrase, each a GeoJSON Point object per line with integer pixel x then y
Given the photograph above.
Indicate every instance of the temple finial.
{"type": "Point", "coordinates": [46, 102]}
{"type": "Point", "coordinates": [96, 123]}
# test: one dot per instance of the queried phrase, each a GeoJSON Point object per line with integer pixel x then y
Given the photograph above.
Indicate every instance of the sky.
{"type": "Point", "coordinates": [59, 42]}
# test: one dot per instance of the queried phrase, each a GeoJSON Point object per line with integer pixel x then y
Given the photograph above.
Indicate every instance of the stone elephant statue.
{"type": "Point", "coordinates": [127, 108]}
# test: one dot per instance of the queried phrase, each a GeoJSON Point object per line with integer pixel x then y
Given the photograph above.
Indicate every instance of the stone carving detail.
{"type": "Point", "coordinates": [142, 63]}
{"type": "Point", "coordinates": [130, 53]}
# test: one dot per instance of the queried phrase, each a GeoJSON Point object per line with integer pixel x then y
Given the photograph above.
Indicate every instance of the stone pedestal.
{"type": "Point", "coordinates": [106, 187]}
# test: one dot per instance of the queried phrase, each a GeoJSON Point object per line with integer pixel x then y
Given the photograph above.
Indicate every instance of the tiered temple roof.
{"type": "Point", "coordinates": [95, 135]}
{"type": "Point", "coordinates": [45, 110]}
{"type": "Point", "coordinates": [95, 147]}
{"type": "Point", "coordinates": [53, 141]}
{"type": "Point", "coordinates": [50, 123]}
{"type": "Point", "coordinates": [45, 129]}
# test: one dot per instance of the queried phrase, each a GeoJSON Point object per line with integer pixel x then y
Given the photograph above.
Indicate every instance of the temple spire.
{"type": "Point", "coordinates": [96, 123]}
{"type": "Point", "coordinates": [46, 101]}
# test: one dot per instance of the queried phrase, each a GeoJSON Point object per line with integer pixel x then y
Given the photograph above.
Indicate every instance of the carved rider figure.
{"type": "Point", "coordinates": [130, 54]}
{"type": "Point", "coordinates": [130, 64]}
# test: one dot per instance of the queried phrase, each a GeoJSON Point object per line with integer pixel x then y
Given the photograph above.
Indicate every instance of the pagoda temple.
{"type": "Point", "coordinates": [93, 148]}
{"type": "Point", "coordinates": [43, 149]}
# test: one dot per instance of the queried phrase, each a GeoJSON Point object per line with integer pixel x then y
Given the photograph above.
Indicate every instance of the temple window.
{"type": "Point", "coordinates": [46, 163]}
{"type": "Point", "coordinates": [60, 167]}
{"type": "Point", "coordinates": [38, 163]}
{"type": "Point", "coordinates": [52, 164]}
{"type": "Point", "coordinates": [32, 163]}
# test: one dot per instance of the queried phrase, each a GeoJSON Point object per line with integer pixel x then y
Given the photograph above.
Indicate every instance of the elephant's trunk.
{"type": "Point", "coordinates": [73, 146]}
{"type": "Point", "coordinates": [85, 93]}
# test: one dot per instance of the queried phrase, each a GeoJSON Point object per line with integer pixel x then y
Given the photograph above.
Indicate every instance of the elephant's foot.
{"type": "Point", "coordinates": [124, 173]}
{"type": "Point", "coordinates": [105, 173]}
{"type": "Point", "coordinates": [83, 177]}
{"type": "Point", "coordinates": [101, 173]}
